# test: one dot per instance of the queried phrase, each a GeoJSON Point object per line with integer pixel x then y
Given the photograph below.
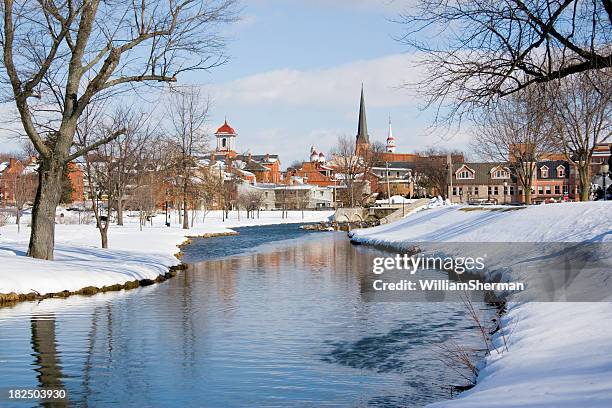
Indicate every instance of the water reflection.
{"type": "Point", "coordinates": [283, 326]}
{"type": "Point", "coordinates": [46, 356]}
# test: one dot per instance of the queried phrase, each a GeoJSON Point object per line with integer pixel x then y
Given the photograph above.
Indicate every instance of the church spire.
{"type": "Point", "coordinates": [390, 139]}
{"type": "Point", "coordinates": [362, 130]}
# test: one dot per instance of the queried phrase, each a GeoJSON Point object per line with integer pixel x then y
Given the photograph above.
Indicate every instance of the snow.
{"type": "Point", "coordinates": [559, 353]}
{"type": "Point", "coordinates": [133, 254]}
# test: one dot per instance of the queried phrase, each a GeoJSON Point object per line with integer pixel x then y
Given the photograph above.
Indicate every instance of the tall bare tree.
{"type": "Point", "coordinates": [518, 131]}
{"type": "Point", "coordinates": [583, 112]}
{"type": "Point", "coordinates": [188, 115]}
{"type": "Point", "coordinates": [59, 57]}
{"type": "Point", "coordinates": [474, 51]}
{"type": "Point", "coordinates": [433, 170]}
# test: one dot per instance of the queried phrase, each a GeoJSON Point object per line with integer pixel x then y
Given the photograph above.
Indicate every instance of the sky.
{"type": "Point", "coordinates": [295, 73]}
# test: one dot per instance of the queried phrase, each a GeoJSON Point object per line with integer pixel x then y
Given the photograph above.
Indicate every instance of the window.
{"type": "Point", "coordinates": [557, 190]}
{"type": "Point", "coordinates": [454, 191]}
{"type": "Point", "coordinates": [560, 172]}
{"type": "Point", "coordinates": [321, 194]}
{"type": "Point", "coordinates": [548, 189]}
{"type": "Point", "coordinates": [565, 189]}
{"type": "Point", "coordinates": [495, 190]}
{"type": "Point", "coordinates": [398, 174]}
{"type": "Point", "coordinates": [500, 174]}
{"type": "Point", "coordinates": [224, 142]}
{"type": "Point", "coordinates": [540, 189]}
{"type": "Point", "coordinates": [544, 172]}
{"type": "Point", "coordinates": [511, 190]}
{"type": "Point", "coordinates": [465, 174]}
{"type": "Point", "coordinates": [476, 190]}
{"type": "Point", "coordinates": [490, 190]}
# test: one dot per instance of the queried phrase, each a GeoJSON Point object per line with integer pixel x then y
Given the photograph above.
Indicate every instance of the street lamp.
{"type": "Point", "coordinates": [505, 191]}
{"type": "Point", "coordinates": [605, 170]}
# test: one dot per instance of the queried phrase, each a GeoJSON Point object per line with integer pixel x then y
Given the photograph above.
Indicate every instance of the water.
{"type": "Point", "coordinates": [280, 326]}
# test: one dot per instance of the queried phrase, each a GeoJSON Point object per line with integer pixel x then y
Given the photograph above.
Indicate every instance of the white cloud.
{"type": "Point", "coordinates": [331, 87]}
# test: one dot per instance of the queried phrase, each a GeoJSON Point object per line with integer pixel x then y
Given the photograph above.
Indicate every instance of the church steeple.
{"type": "Point", "coordinates": [390, 139]}
{"type": "Point", "coordinates": [363, 139]}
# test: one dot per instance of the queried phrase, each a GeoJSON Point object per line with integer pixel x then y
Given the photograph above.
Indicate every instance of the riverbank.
{"type": "Point", "coordinates": [134, 257]}
{"type": "Point", "coordinates": [558, 354]}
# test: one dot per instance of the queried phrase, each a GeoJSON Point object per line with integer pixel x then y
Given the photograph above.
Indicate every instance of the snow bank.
{"type": "Point", "coordinates": [559, 354]}
{"type": "Point", "coordinates": [133, 254]}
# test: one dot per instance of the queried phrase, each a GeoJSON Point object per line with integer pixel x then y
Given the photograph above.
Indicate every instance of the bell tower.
{"type": "Point", "coordinates": [226, 140]}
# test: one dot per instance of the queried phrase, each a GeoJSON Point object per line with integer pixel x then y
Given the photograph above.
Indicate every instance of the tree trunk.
{"type": "Point", "coordinates": [528, 196]}
{"type": "Point", "coordinates": [104, 237]}
{"type": "Point", "coordinates": [119, 209]}
{"type": "Point", "coordinates": [18, 221]}
{"type": "Point", "coordinates": [185, 214]}
{"type": "Point", "coordinates": [48, 195]}
{"type": "Point", "coordinates": [585, 182]}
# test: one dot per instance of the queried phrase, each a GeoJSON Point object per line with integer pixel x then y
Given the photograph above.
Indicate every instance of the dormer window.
{"type": "Point", "coordinates": [499, 173]}
{"type": "Point", "coordinates": [465, 173]}
{"type": "Point", "coordinates": [544, 172]}
{"type": "Point", "coordinates": [561, 171]}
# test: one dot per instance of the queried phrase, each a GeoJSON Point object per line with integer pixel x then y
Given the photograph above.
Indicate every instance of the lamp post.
{"type": "Point", "coordinates": [505, 191]}
{"type": "Point", "coordinates": [605, 170]}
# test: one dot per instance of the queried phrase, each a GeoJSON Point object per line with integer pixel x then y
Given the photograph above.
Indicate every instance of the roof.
{"type": "Point", "coordinates": [225, 129]}
{"type": "Point", "coordinates": [395, 165]}
{"type": "Point", "coordinates": [552, 169]}
{"type": "Point", "coordinates": [260, 158]}
{"type": "Point", "coordinates": [253, 166]}
{"type": "Point", "coordinates": [482, 174]}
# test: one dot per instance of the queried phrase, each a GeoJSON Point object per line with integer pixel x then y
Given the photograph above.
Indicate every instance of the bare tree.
{"type": "Point", "coordinates": [517, 131]}
{"type": "Point", "coordinates": [583, 108]}
{"type": "Point", "coordinates": [433, 170]}
{"type": "Point", "coordinates": [58, 58]}
{"type": "Point", "coordinates": [355, 168]}
{"type": "Point", "coordinates": [24, 192]}
{"type": "Point", "coordinates": [477, 50]}
{"type": "Point", "coordinates": [188, 113]}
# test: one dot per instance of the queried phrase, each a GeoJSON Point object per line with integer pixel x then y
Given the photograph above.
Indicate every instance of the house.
{"type": "Point", "coordinates": [498, 183]}
{"type": "Point", "coordinates": [552, 181]}
{"type": "Point", "coordinates": [395, 178]}
{"type": "Point", "coordinates": [473, 182]}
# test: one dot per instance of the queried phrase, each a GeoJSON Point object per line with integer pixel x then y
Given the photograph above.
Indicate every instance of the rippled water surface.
{"type": "Point", "coordinates": [282, 325]}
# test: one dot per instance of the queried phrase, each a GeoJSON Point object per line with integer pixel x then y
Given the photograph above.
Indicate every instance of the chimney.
{"type": "Point", "coordinates": [249, 157]}
{"type": "Point", "coordinates": [267, 157]}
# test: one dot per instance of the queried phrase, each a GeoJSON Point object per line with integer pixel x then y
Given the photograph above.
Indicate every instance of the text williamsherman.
{"type": "Point", "coordinates": [446, 285]}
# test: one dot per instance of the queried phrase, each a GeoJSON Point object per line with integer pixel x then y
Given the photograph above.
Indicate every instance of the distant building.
{"type": "Point", "coordinates": [265, 168]}
{"type": "Point", "coordinates": [13, 169]}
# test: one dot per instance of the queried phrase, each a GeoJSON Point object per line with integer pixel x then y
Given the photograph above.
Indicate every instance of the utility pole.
{"type": "Point", "coordinates": [388, 187]}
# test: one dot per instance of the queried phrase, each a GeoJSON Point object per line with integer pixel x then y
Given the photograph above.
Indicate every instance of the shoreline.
{"type": "Point", "coordinates": [126, 266]}
{"type": "Point", "coordinates": [535, 339]}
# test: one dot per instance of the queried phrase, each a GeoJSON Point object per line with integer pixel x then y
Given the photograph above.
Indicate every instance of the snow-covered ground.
{"type": "Point", "coordinates": [559, 353]}
{"type": "Point", "coordinates": [132, 255]}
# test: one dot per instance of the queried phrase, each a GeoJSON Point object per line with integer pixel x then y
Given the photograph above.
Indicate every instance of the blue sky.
{"type": "Point", "coordinates": [295, 74]}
